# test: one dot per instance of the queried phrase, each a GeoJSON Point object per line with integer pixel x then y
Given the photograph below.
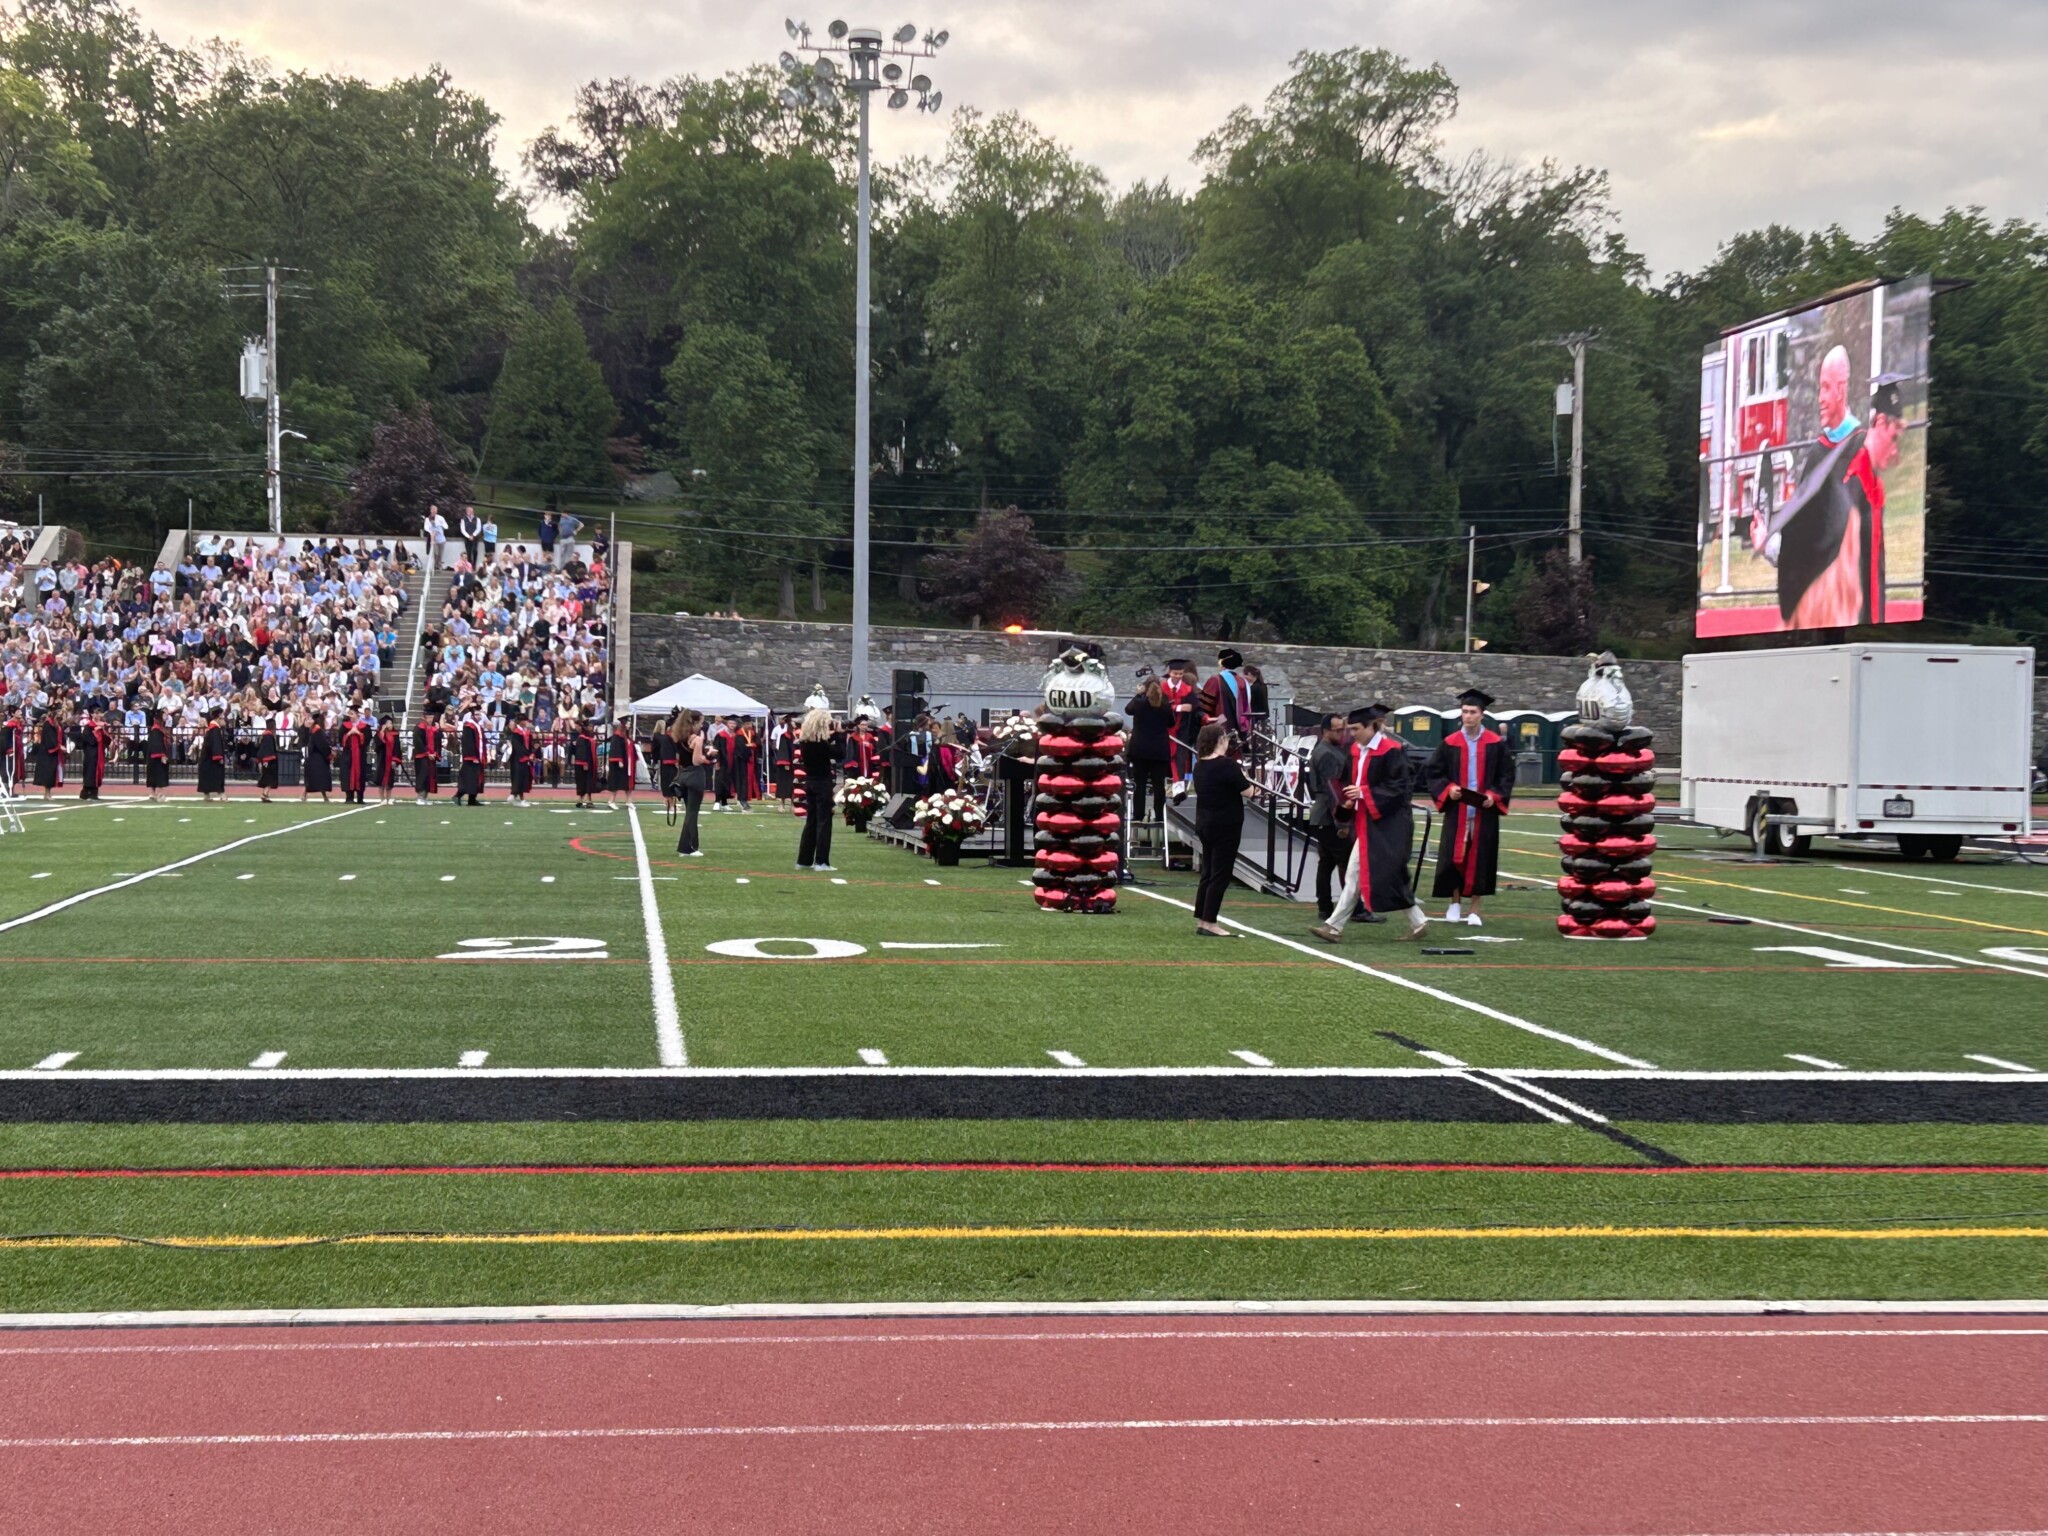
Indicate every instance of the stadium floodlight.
{"type": "Point", "coordinates": [788, 61]}
{"type": "Point", "coordinates": [862, 60]}
{"type": "Point", "coordinates": [790, 23]}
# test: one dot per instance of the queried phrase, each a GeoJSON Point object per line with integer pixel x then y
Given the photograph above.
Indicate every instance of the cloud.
{"type": "Point", "coordinates": [1711, 119]}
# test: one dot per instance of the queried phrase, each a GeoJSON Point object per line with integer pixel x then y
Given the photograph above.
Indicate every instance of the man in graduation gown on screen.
{"type": "Point", "coordinates": [1469, 778]}
{"type": "Point", "coordinates": [1380, 793]}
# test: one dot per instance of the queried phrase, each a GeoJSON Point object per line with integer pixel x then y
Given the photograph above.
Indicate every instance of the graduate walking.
{"type": "Point", "coordinates": [1380, 793]}
{"type": "Point", "coordinates": [1470, 779]}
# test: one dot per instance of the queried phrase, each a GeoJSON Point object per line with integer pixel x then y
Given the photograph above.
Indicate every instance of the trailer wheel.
{"type": "Point", "coordinates": [1944, 849]}
{"type": "Point", "coordinates": [1774, 842]}
{"type": "Point", "coordinates": [1911, 846]}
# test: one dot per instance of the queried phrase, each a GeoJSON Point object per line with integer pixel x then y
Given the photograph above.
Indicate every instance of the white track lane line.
{"type": "Point", "coordinates": [668, 1022]}
{"type": "Point", "coordinates": [2001, 1063]}
{"type": "Point", "coordinates": [1455, 1001]}
{"type": "Point", "coordinates": [165, 869]}
{"type": "Point", "coordinates": [1514, 1098]}
{"type": "Point", "coordinates": [842, 1311]}
{"type": "Point", "coordinates": [2003, 890]}
{"type": "Point", "coordinates": [1975, 962]}
{"type": "Point", "coordinates": [1015, 1426]}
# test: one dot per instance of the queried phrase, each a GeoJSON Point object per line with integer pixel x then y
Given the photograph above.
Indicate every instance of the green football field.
{"type": "Point", "coordinates": [261, 969]}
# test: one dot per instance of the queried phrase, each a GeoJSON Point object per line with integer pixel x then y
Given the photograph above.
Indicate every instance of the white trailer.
{"type": "Point", "coordinates": [1927, 744]}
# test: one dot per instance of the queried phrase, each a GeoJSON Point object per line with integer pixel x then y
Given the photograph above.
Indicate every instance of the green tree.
{"type": "Point", "coordinates": [409, 468]}
{"type": "Point", "coordinates": [551, 414]}
{"type": "Point", "coordinates": [999, 572]}
{"type": "Point", "coordinates": [746, 446]}
{"type": "Point", "coordinates": [1247, 449]}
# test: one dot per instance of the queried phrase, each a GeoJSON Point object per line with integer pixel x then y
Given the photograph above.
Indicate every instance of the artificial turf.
{"type": "Point", "coordinates": [212, 970]}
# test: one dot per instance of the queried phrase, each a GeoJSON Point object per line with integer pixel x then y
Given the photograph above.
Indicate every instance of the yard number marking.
{"type": "Point", "coordinates": [1843, 960]}
{"type": "Point", "coordinates": [819, 949]}
{"type": "Point", "coordinates": [536, 948]}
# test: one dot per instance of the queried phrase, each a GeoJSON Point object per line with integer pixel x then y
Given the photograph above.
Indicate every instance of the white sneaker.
{"type": "Point", "coordinates": [695, 853]}
{"type": "Point", "coordinates": [826, 869]}
{"type": "Point", "coordinates": [1453, 913]}
{"type": "Point", "coordinates": [1473, 921]}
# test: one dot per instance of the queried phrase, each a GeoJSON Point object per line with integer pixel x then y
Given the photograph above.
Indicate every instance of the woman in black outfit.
{"type": "Point", "coordinates": [1150, 749]}
{"type": "Point", "coordinates": [1221, 790]}
{"type": "Point", "coordinates": [693, 776]}
{"type": "Point", "coordinates": [818, 749]}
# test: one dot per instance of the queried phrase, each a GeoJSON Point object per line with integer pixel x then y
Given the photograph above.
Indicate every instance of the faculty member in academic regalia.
{"type": "Point", "coordinates": [426, 758]}
{"type": "Point", "coordinates": [1470, 777]}
{"type": "Point", "coordinates": [211, 754]}
{"type": "Point", "coordinates": [1227, 697]}
{"type": "Point", "coordinates": [1380, 793]}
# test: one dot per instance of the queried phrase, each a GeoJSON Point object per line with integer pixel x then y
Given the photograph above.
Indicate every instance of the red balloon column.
{"type": "Point", "coordinates": [1606, 811]}
{"type": "Point", "coordinates": [1080, 789]}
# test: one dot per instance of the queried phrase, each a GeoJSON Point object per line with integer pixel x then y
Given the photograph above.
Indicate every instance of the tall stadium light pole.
{"type": "Point", "coordinates": [1471, 576]}
{"type": "Point", "coordinates": [859, 60]}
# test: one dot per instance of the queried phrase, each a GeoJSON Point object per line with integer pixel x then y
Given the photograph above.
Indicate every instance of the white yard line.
{"type": "Point", "coordinates": [1976, 962]}
{"type": "Point", "coordinates": [873, 1057]}
{"type": "Point", "coordinates": [1252, 1058]}
{"type": "Point", "coordinates": [1455, 1001]}
{"type": "Point", "coordinates": [668, 1023]}
{"type": "Point", "coordinates": [56, 1061]}
{"type": "Point", "coordinates": [1514, 1098]}
{"type": "Point", "coordinates": [1066, 1058]}
{"type": "Point", "coordinates": [2000, 1063]}
{"type": "Point", "coordinates": [268, 1060]}
{"type": "Point", "coordinates": [473, 1058]}
{"type": "Point", "coordinates": [165, 869]}
{"type": "Point", "coordinates": [1889, 874]}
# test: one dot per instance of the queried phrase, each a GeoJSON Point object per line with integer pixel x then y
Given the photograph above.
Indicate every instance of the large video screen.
{"type": "Point", "coordinates": [1813, 466]}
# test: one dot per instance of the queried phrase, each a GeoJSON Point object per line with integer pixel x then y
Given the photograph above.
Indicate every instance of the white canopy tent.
{"type": "Point", "coordinates": [707, 695]}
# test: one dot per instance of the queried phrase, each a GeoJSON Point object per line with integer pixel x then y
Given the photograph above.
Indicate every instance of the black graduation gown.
{"type": "Point", "coordinates": [157, 775]}
{"type": "Point", "coordinates": [319, 761]}
{"type": "Point", "coordinates": [583, 759]}
{"type": "Point", "coordinates": [13, 752]}
{"type": "Point", "coordinates": [92, 760]}
{"type": "Point", "coordinates": [387, 756]}
{"type": "Point", "coordinates": [1468, 851]}
{"type": "Point", "coordinates": [521, 753]}
{"type": "Point", "coordinates": [266, 760]}
{"type": "Point", "coordinates": [469, 778]}
{"type": "Point", "coordinates": [213, 760]}
{"type": "Point", "coordinates": [48, 753]}
{"type": "Point", "coordinates": [355, 759]}
{"type": "Point", "coordinates": [1387, 818]}
{"type": "Point", "coordinates": [664, 750]}
{"type": "Point", "coordinates": [618, 761]}
{"type": "Point", "coordinates": [426, 758]}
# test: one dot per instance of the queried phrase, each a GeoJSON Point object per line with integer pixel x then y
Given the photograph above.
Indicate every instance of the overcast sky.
{"type": "Point", "coordinates": [1712, 117]}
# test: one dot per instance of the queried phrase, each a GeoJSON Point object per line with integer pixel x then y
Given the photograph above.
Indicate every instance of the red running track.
{"type": "Point", "coordinates": [1446, 1426]}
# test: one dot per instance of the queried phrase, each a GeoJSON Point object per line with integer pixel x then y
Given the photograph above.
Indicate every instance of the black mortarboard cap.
{"type": "Point", "coordinates": [1477, 696]}
{"type": "Point", "coordinates": [1228, 658]}
{"type": "Point", "coordinates": [1884, 396]}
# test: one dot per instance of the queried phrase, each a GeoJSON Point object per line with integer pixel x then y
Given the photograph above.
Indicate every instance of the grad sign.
{"type": "Point", "coordinates": [1813, 465]}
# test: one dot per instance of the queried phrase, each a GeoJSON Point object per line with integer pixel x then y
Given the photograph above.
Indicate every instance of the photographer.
{"type": "Point", "coordinates": [819, 749]}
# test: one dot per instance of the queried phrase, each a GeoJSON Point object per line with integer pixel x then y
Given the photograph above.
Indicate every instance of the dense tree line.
{"type": "Point", "coordinates": [1271, 401]}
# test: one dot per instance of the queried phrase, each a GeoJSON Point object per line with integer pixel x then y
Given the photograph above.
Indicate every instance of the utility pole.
{"type": "Point", "coordinates": [1576, 343]}
{"type": "Point", "coordinates": [1471, 572]}
{"type": "Point", "coordinates": [273, 477]}
{"type": "Point", "coordinates": [870, 65]}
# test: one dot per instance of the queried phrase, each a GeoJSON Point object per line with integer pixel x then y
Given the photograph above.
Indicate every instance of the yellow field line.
{"type": "Point", "coordinates": [983, 1234]}
{"type": "Point", "coordinates": [1832, 901]}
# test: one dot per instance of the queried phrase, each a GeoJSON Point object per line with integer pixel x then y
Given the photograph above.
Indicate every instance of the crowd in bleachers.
{"type": "Point", "coordinates": [525, 633]}
{"type": "Point", "coordinates": [253, 627]}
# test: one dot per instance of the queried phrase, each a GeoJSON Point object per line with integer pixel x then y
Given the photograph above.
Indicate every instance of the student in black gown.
{"type": "Point", "coordinates": [471, 760]}
{"type": "Point", "coordinates": [266, 759]}
{"type": "Point", "coordinates": [211, 754]}
{"type": "Point", "coordinates": [1221, 790]}
{"type": "Point", "coordinates": [318, 758]}
{"type": "Point", "coordinates": [388, 758]}
{"type": "Point", "coordinates": [157, 750]}
{"type": "Point", "coordinates": [47, 757]}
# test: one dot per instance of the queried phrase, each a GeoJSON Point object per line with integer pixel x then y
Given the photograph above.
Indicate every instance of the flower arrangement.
{"type": "Point", "coordinates": [1015, 735]}
{"type": "Point", "coordinates": [859, 798]}
{"type": "Point", "coordinates": [948, 816]}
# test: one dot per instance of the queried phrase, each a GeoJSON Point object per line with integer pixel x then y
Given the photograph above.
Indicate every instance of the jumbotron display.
{"type": "Point", "coordinates": [1813, 465]}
